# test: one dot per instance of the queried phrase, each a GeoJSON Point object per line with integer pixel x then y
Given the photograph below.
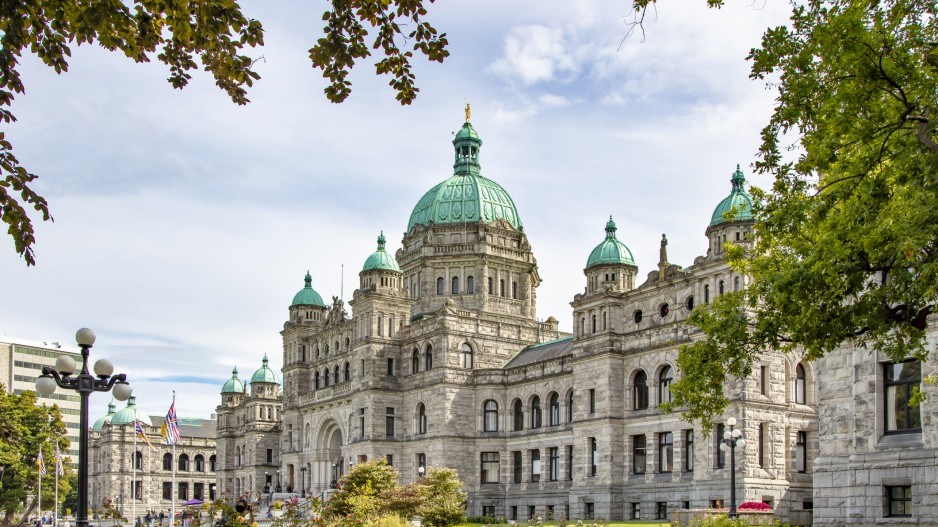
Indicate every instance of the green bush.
{"type": "Point", "coordinates": [386, 520]}
{"type": "Point", "coordinates": [442, 497]}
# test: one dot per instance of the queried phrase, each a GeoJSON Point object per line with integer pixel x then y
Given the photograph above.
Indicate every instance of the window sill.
{"type": "Point", "coordinates": [901, 440]}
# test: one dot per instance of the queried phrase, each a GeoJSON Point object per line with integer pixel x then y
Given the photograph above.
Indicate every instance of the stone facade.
{"type": "Point", "coordinates": [249, 432]}
{"type": "Point", "coordinates": [112, 475]}
{"type": "Point", "coordinates": [444, 362]}
{"type": "Point", "coordinates": [861, 459]}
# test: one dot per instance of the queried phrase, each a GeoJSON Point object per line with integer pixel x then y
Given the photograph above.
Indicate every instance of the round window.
{"type": "Point", "coordinates": [638, 316]}
{"type": "Point", "coordinates": [664, 310]}
{"type": "Point", "coordinates": [689, 303]}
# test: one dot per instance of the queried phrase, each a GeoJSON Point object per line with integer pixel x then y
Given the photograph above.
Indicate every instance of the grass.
{"type": "Point", "coordinates": [630, 523]}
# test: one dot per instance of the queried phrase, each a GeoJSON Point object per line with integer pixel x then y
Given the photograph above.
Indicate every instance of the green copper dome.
{"type": "Point", "coordinates": [738, 201]}
{"type": "Point", "coordinates": [234, 384]}
{"type": "Point", "coordinates": [129, 414]}
{"type": "Point", "coordinates": [264, 374]}
{"type": "Point", "coordinates": [307, 296]}
{"type": "Point", "coordinates": [611, 251]}
{"type": "Point", "coordinates": [466, 197]}
{"type": "Point", "coordinates": [381, 259]}
{"type": "Point", "coordinates": [99, 424]}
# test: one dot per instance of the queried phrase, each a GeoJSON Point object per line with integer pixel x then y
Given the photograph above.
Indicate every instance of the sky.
{"type": "Point", "coordinates": [184, 224]}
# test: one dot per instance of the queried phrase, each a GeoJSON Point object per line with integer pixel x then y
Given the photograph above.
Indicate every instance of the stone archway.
{"type": "Point", "coordinates": [329, 466]}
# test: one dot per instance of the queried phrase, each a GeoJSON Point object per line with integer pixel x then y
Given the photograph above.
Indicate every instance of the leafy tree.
{"type": "Point", "coordinates": [443, 497]}
{"type": "Point", "coordinates": [25, 427]}
{"type": "Point", "coordinates": [360, 491]}
{"type": "Point", "coordinates": [848, 233]}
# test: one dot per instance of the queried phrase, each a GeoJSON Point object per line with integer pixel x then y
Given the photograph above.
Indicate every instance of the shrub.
{"type": "Point", "coordinates": [442, 497]}
{"type": "Point", "coordinates": [719, 520]}
{"type": "Point", "coordinates": [755, 506]}
{"type": "Point", "coordinates": [386, 520]}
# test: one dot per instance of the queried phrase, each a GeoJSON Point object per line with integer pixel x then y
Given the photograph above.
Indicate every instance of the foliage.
{"type": "Point", "coordinates": [386, 520]}
{"type": "Point", "coordinates": [360, 490]}
{"type": "Point", "coordinates": [70, 497]}
{"type": "Point", "coordinates": [754, 506]}
{"type": "Point", "coordinates": [443, 497]}
{"type": "Point", "coordinates": [719, 520]}
{"type": "Point", "coordinates": [25, 427]}
{"type": "Point", "coordinates": [848, 233]}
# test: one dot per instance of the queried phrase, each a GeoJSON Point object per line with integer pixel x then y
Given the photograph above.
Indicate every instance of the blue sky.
{"type": "Point", "coordinates": [184, 224]}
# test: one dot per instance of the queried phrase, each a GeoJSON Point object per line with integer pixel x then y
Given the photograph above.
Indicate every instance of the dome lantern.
{"type": "Point", "coordinates": [106, 419]}
{"type": "Point", "coordinates": [129, 414]}
{"type": "Point", "coordinates": [264, 374]}
{"type": "Point", "coordinates": [738, 201]}
{"type": "Point", "coordinates": [307, 296]}
{"type": "Point", "coordinates": [381, 259]}
{"type": "Point", "coordinates": [611, 251]}
{"type": "Point", "coordinates": [234, 384]}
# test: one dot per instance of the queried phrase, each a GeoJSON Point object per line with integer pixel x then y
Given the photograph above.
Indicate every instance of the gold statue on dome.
{"type": "Point", "coordinates": [468, 112]}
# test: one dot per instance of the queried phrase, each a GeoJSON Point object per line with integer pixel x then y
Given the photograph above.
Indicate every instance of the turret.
{"type": "Point", "coordinates": [610, 265]}
{"type": "Point", "coordinates": [732, 219]}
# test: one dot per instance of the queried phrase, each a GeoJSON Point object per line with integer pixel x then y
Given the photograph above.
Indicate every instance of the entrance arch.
{"type": "Point", "coordinates": [329, 466]}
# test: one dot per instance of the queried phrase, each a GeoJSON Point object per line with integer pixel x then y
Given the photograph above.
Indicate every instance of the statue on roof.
{"type": "Point", "coordinates": [468, 111]}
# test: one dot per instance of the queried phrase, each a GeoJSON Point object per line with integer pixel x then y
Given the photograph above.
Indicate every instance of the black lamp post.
{"type": "Point", "coordinates": [85, 384]}
{"type": "Point", "coordinates": [303, 486]}
{"type": "Point", "coordinates": [732, 438]}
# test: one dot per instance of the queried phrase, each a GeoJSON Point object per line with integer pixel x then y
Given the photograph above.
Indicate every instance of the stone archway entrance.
{"type": "Point", "coordinates": [329, 466]}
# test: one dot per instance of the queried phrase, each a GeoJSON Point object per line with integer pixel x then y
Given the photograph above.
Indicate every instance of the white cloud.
{"type": "Point", "coordinates": [534, 54]}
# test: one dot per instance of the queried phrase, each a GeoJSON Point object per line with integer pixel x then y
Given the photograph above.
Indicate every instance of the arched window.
{"type": "Point", "coordinates": [706, 293]}
{"type": "Point", "coordinates": [138, 460]}
{"type": "Point", "coordinates": [326, 376]}
{"type": "Point", "coordinates": [168, 459]}
{"type": "Point", "coordinates": [470, 285]}
{"type": "Point", "coordinates": [466, 356]}
{"type": "Point", "coordinates": [501, 287]}
{"type": "Point", "coordinates": [689, 303]}
{"type": "Point", "coordinates": [518, 413]}
{"type": "Point", "coordinates": [735, 283]}
{"type": "Point", "coordinates": [664, 386]}
{"type": "Point", "coordinates": [640, 391]}
{"type": "Point", "coordinates": [307, 435]}
{"type": "Point", "coordinates": [455, 288]}
{"type": "Point", "coordinates": [316, 379]}
{"type": "Point", "coordinates": [514, 290]}
{"type": "Point", "coordinates": [604, 321]}
{"type": "Point", "coordinates": [801, 385]}
{"type": "Point", "coordinates": [199, 463]}
{"type": "Point", "coordinates": [348, 371]}
{"type": "Point", "coordinates": [440, 285]}
{"type": "Point", "coordinates": [536, 412]}
{"type": "Point", "coordinates": [490, 416]}
{"type": "Point", "coordinates": [211, 463]}
{"type": "Point", "coordinates": [335, 374]}
{"type": "Point", "coordinates": [570, 406]}
{"type": "Point", "coordinates": [184, 463]}
{"type": "Point", "coordinates": [415, 361]}
{"type": "Point", "coordinates": [491, 287]}
{"type": "Point", "coordinates": [553, 405]}
{"type": "Point", "coordinates": [421, 419]}
{"type": "Point", "coordinates": [722, 288]}
{"type": "Point", "coordinates": [428, 358]}
{"type": "Point", "coordinates": [594, 324]}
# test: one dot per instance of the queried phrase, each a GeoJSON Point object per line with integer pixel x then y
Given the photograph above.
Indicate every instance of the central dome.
{"type": "Point", "coordinates": [466, 197]}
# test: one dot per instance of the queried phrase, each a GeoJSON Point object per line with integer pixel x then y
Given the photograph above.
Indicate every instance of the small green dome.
{"type": "Point", "coordinates": [264, 374]}
{"type": "Point", "coordinates": [738, 200]}
{"type": "Point", "coordinates": [129, 414]}
{"type": "Point", "coordinates": [99, 424]}
{"type": "Point", "coordinates": [611, 251]}
{"type": "Point", "coordinates": [381, 259]}
{"type": "Point", "coordinates": [234, 384]}
{"type": "Point", "coordinates": [466, 197]}
{"type": "Point", "coordinates": [307, 296]}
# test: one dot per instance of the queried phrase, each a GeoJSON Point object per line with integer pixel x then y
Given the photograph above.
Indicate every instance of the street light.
{"type": "Point", "coordinates": [84, 383]}
{"type": "Point", "coordinates": [303, 476]}
{"type": "Point", "coordinates": [731, 439]}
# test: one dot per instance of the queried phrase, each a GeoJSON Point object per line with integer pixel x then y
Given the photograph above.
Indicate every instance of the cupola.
{"type": "Point", "coordinates": [129, 414]}
{"type": "Point", "coordinates": [234, 384]}
{"type": "Point", "coordinates": [381, 259]}
{"type": "Point", "coordinates": [732, 218]}
{"type": "Point", "coordinates": [99, 424]}
{"type": "Point", "coordinates": [307, 306]}
{"type": "Point", "coordinates": [610, 265]}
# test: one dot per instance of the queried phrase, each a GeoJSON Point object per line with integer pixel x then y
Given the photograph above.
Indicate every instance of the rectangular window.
{"type": "Point", "coordinates": [899, 501]}
{"type": "Point", "coordinates": [361, 422]}
{"type": "Point", "coordinates": [489, 467]}
{"type": "Point", "coordinates": [513, 511]}
{"type": "Point", "coordinates": [801, 452]}
{"type": "Point", "coordinates": [390, 459]}
{"type": "Point", "coordinates": [760, 446]}
{"type": "Point", "coordinates": [718, 440]}
{"type": "Point", "coordinates": [421, 464]}
{"type": "Point", "coordinates": [390, 366]}
{"type": "Point", "coordinates": [638, 454]}
{"type": "Point", "coordinates": [665, 452]}
{"type": "Point", "coordinates": [198, 491]}
{"type": "Point", "coordinates": [900, 380]}
{"type": "Point", "coordinates": [389, 422]}
{"type": "Point", "coordinates": [553, 457]}
{"type": "Point", "coordinates": [535, 466]}
{"type": "Point", "coordinates": [593, 454]}
{"type": "Point", "coordinates": [531, 511]}
{"type": "Point", "coordinates": [569, 462]}
{"type": "Point", "coordinates": [590, 511]}
{"type": "Point", "coordinates": [517, 467]}
{"type": "Point", "coordinates": [183, 493]}
{"type": "Point", "coordinates": [167, 490]}
{"type": "Point", "coordinates": [488, 511]}
{"type": "Point", "coordinates": [661, 510]}
{"type": "Point", "coordinates": [763, 380]}
{"type": "Point", "coordinates": [270, 455]}
{"type": "Point", "coordinates": [636, 510]}
{"type": "Point", "coordinates": [592, 400]}
{"type": "Point", "coordinates": [688, 450]}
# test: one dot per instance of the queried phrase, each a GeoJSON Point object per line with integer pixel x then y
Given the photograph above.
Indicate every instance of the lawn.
{"type": "Point", "coordinates": [631, 523]}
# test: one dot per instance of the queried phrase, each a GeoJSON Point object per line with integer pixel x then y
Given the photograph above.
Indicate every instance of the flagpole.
{"type": "Point", "coordinates": [133, 477]}
{"type": "Point", "coordinates": [39, 477]}
{"type": "Point", "coordinates": [55, 509]}
{"type": "Point", "coordinates": [172, 520]}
